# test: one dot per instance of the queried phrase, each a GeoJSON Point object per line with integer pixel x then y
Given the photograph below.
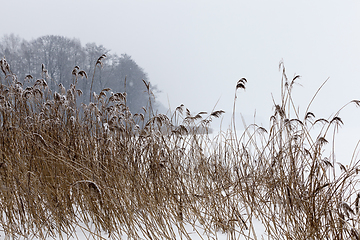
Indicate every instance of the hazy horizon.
{"type": "Point", "coordinates": [196, 51]}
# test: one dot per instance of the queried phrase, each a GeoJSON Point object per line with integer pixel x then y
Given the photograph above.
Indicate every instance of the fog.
{"type": "Point", "coordinates": [196, 51]}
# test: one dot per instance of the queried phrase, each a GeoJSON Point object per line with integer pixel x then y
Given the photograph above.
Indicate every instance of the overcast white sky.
{"type": "Point", "coordinates": [196, 50]}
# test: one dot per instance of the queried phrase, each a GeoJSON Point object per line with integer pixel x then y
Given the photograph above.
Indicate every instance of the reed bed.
{"type": "Point", "coordinates": [116, 174]}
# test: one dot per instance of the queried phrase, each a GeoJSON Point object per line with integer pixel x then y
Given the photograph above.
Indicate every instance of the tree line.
{"type": "Point", "coordinates": [60, 55]}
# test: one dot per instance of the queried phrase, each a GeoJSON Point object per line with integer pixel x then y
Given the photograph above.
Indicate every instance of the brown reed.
{"type": "Point", "coordinates": [105, 170]}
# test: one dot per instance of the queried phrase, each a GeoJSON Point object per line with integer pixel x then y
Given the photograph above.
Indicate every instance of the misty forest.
{"type": "Point", "coordinates": [59, 56]}
{"type": "Point", "coordinates": [85, 151]}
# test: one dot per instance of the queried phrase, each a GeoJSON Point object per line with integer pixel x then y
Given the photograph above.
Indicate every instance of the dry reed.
{"type": "Point", "coordinates": [103, 169]}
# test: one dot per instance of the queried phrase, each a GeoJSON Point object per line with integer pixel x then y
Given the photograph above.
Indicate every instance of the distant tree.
{"type": "Point", "coordinates": [59, 55]}
{"type": "Point", "coordinates": [11, 47]}
{"type": "Point", "coordinates": [128, 70]}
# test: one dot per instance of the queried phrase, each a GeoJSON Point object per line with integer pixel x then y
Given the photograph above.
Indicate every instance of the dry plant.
{"type": "Point", "coordinates": [116, 174]}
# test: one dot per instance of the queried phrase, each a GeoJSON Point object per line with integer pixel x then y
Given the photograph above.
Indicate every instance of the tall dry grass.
{"type": "Point", "coordinates": [103, 169]}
